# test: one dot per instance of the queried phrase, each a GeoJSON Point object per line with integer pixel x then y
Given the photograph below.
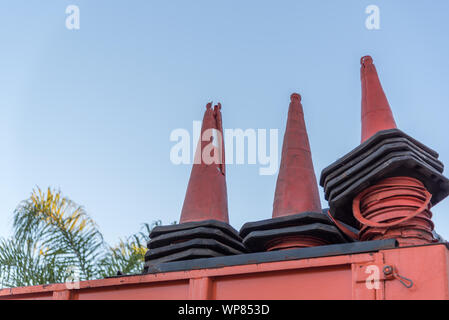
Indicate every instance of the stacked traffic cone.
{"type": "Point", "coordinates": [387, 185]}
{"type": "Point", "coordinates": [297, 219]}
{"type": "Point", "coordinates": [204, 229]}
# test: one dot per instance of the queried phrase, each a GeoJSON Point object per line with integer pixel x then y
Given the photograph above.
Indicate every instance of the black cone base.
{"type": "Point", "coordinates": [192, 240]}
{"type": "Point", "coordinates": [389, 153]}
{"type": "Point", "coordinates": [260, 234]}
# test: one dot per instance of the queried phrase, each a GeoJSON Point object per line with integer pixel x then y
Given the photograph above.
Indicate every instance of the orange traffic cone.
{"type": "Point", "coordinates": [203, 230]}
{"type": "Point", "coordinates": [206, 196]}
{"type": "Point", "coordinates": [402, 204]}
{"type": "Point", "coordinates": [376, 112]}
{"type": "Point", "coordinates": [296, 187]}
{"type": "Point", "coordinates": [297, 219]}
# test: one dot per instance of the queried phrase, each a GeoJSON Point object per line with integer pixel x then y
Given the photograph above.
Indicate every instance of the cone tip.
{"type": "Point", "coordinates": [209, 105]}
{"type": "Point", "coordinates": [366, 60]}
{"type": "Point", "coordinates": [295, 96]}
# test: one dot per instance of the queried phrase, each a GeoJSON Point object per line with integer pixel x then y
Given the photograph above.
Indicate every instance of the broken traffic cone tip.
{"type": "Point", "coordinates": [206, 195]}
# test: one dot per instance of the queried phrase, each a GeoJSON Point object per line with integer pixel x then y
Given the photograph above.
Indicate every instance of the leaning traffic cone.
{"type": "Point", "coordinates": [203, 230]}
{"type": "Point", "coordinates": [206, 196]}
{"type": "Point", "coordinates": [376, 112]}
{"type": "Point", "coordinates": [297, 220]}
{"type": "Point", "coordinates": [296, 187]}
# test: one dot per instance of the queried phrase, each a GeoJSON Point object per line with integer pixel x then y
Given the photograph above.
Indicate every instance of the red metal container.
{"type": "Point", "coordinates": [345, 276]}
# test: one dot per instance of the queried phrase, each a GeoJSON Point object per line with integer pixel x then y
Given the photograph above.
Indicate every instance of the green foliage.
{"type": "Point", "coordinates": [128, 256]}
{"type": "Point", "coordinates": [52, 236]}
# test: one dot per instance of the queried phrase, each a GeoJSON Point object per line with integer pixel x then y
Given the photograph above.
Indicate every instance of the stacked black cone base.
{"type": "Point", "coordinates": [191, 240]}
{"type": "Point", "coordinates": [388, 153]}
{"type": "Point", "coordinates": [260, 235]}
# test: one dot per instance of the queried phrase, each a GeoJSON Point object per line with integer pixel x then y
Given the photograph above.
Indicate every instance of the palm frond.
{"type": "Point", "coordinates": [53, 235]}
{"type": "Point", "coordinates": [61, 229]}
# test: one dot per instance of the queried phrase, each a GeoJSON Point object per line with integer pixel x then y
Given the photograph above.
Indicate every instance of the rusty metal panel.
{"type": "Point", "coordinates": [29, 296]}
{"type": "Point", "coordinates": [426, 266]}
{"type": "Point", "coordinates": [145, 291]}
{"type": "Point", "coordinates": [311, 283]}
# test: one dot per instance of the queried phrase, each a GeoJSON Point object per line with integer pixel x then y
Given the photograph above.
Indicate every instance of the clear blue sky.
{"type": "Point", "coordinates": [90, 111]}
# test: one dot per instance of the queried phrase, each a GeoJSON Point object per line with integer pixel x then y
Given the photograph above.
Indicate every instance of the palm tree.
{"type": "Point", "coordinates": [53, 238]}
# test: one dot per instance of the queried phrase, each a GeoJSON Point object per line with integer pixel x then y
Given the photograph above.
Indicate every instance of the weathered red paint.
{"type": "Point", "coordinates": [341, 277]}
{"type": "Point", "coordinates": [296, 187]}
{"type": "Point", "coordinates": [206, 196]}
{"type": "Point", "coordinates": [376, 111]}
